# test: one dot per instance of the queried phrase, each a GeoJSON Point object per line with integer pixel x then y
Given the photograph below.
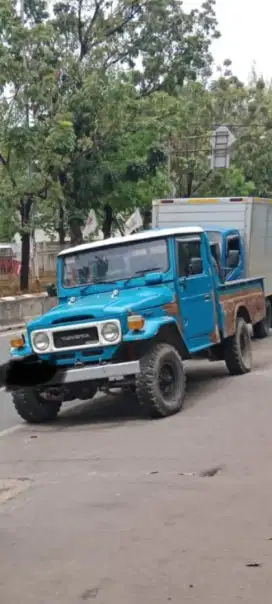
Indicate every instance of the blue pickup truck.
{"type": "Point", "coordinates": [130, 311]}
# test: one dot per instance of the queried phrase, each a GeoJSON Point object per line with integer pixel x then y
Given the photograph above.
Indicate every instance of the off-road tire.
{"type": "Point", "coordinates": [238, 350]}
{"type": "Point", "coordinates": [261, 329]}
{"type": "Point", "coordinates": [33, 409]}
{"type": "Point", "coordinates": [150, 396]}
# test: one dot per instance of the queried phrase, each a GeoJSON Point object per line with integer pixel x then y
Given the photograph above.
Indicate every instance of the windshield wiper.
{"type": "Point", "coordinates": [138, 273]}
{"type": "Point", "coordinates": [98, 282]}
{"type": "Point", "coordinates": [142, 272]}
{"type": "Point", "coordinates": [147, 270]}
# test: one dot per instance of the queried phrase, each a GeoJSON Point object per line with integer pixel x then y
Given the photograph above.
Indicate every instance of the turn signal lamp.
{"type": "Point", "coordinates": [136, 322]}
{"type": "Point", "coordinates": [17, 342]}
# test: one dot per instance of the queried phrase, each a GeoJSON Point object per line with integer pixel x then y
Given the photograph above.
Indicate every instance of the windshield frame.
{"type": "Point", "coordinates": [119, 245]}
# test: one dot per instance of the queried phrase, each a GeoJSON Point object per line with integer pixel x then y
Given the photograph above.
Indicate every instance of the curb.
{"type": "Point", "coordinates": [5, 328]}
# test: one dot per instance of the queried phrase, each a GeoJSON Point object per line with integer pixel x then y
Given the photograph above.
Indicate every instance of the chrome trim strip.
{"type": "Point", "coordinates": [97, 372]}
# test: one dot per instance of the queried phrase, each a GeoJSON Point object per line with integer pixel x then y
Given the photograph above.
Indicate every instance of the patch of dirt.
{"type": "Point", "coordinates": [10, 488]}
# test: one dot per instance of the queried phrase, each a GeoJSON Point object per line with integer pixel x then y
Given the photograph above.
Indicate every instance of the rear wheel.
{"type": "Point", "coordinates": [261, 329]}
{"type": "Point", "coordinates": [34, 407]}
{"type": "Point", "coordinates": [238, 350]}
{"type": "Point", "coordinates": [160, 386]}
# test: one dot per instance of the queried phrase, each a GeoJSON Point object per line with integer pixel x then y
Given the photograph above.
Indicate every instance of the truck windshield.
{"type": "Point", "coordinates": [215, 237]}
{"type": "Point", "coordinates": [115, 263]}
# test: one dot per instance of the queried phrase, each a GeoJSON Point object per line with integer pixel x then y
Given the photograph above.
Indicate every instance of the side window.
{"type": "Point", "coordinates": [189, 261]}
{"type": "Point", "coordinates": [233, 252]}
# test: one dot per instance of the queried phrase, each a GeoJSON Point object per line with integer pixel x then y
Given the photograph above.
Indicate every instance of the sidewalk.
{"type": "Point", "coordinates": [118, 510]}
{"type": "Point", "coordinates": [12, 327]}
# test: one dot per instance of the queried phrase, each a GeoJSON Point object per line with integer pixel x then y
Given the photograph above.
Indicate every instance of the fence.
{"type": "Point", "coordinates": [10, 269]}
{"type": "Point", "coordinates": [47, 256]}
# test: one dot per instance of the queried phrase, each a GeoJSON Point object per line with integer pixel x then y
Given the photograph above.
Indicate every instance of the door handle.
{"type": "Point", "coordinates": [207, 297]}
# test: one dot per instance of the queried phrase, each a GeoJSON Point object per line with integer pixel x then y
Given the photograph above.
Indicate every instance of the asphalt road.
{"type": "Point", "coordinates": [8, 415]}
{"type": "Point", "coordinates": [9, 419]}
{"type": "Point", "coordinates": [109, 507]}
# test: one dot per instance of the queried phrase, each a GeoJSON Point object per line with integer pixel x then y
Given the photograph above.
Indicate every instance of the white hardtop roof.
{"type": "Point", "coordinates": [152, 234]}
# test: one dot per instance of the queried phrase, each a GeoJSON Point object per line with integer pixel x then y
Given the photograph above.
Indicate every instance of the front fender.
{"type": "Point", "coordinates": [21, 353]}
{"type": "Point", "coordinates": [150, 330]}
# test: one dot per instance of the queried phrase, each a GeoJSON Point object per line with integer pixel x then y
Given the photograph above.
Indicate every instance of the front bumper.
{"type": "Point", "coordinates": [109, 372]}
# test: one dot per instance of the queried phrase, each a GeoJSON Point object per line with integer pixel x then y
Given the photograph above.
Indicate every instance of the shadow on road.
{"type": "Point", "coordinates": [122, 408]}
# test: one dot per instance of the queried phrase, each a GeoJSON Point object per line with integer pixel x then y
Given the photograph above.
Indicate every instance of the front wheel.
{"type": "Point", "coordinates": [160, 385]}
{"type": "Point", "coordinates": [34, 408]}
{"type": "Point", "coordinates": [238, 350]}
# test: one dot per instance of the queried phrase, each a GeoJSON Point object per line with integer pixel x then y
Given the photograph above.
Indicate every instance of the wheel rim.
{"type": "Point", "coordinates": [167, 380]}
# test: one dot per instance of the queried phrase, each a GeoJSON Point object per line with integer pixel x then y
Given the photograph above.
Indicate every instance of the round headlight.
{"type": "Point", "coordinates": [41, 341]}
{"type": "Point", "coordinates": [110, 332]}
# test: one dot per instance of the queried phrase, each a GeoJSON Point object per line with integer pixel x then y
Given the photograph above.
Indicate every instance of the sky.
{"type": "Point", "coordinates": [245, 27]}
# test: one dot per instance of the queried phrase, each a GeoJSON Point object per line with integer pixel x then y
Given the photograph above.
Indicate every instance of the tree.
{"type": "Point", "coordinates": [173, 46]}
{"type": "Point", "coordinates": [119, 142]}
{"type": "Point", "coordinates": [81, 126]}
{"type": "Point", "coordinates": [189, 146]}
{"type": "Point", "coordinates": [247, 112]}
{"type": "Point", "coordinates": [29, 92]}
{"type": "Point", "coordinates": [99, 36]}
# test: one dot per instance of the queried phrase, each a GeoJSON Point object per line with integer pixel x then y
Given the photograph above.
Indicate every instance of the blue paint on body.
{"type": "Point", "coordinates": [197, 298]}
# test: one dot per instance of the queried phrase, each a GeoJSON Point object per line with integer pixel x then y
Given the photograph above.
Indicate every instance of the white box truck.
{"type": "Point", "coordinates": [240, 232]}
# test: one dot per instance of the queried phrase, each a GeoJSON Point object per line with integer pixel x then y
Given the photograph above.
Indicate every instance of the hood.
{"type": "Point", "coordinates": [105, 305]}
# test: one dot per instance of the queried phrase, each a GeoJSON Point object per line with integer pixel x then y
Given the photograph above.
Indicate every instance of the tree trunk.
{"type": "Point", "coordinates": [107, 223]}
{"type": "Point", "coordinates": [25, 212]}
{"type": "Point", "coordinates": [75, 231]}
{"type": "Point", "coordinates": [190, 184]}
{"type": "Point", "coordinates": [147, 219]}
{"type": "Point", "coordinates": [61, 228]}
{"type": "Point", "coordinates": [24, 274]}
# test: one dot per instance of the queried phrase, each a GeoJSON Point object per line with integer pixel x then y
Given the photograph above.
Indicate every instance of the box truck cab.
{"type": "Point", "coordinates": [240, 234]}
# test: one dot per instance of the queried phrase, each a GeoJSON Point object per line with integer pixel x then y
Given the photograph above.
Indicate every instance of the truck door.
{"type": "Point", "coordinates": [195, 291]}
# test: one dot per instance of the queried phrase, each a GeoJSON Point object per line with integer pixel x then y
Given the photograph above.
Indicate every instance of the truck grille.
{"type": "Point", "coordinates": [75, 337]}
{"type": "Point", "coordinates": [73, 319]}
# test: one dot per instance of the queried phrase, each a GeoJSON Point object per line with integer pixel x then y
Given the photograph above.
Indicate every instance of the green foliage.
{"type": "Point", "coordinates": [81, 126]}
{"type": "Point", "coordinates": [106, 105]}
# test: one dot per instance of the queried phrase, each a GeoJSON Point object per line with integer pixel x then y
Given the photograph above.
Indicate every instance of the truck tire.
{"type": "Point", "coordinates": [238, 351]}
{"type": "Point", "coordinates": [261, 329]}
{"type": "Point", "coordinates": [160, 386]}
{"type": "Point", "coordinates": [33, 409]}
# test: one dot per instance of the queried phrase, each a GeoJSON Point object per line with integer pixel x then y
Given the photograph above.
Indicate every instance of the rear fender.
{"type": "Point", "coordinates": [246, 297]}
